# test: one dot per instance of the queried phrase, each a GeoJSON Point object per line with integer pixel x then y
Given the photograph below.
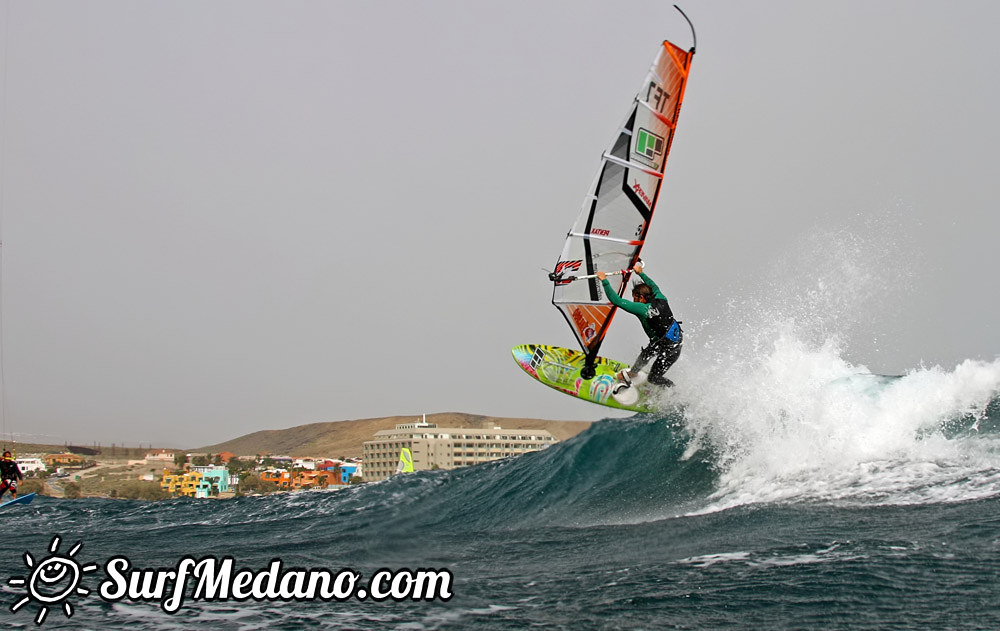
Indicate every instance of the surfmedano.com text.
{"type": "Point", "coordinates": [211, 579]}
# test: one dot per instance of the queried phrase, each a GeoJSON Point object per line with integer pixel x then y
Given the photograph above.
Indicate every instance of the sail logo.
{"type": "Point", "coordinates": [658, 96]}
{"type": "Point", "coordinates": [587, 329]}
{"type": "Point", "coordinates": [641, 193]}
{"type": "Point", "coordinates": [563, 267]}
{"type": "Point", "coordinates": [649, 148]}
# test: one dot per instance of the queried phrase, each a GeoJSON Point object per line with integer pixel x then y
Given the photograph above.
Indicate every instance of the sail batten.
{"type": "Point", "coordinates": [666, 121]}
{"type": "Point", "coordinates": [632, 165]}
{"type": "Point", "coordinates": [614, 219]}
{"type": "Point", "coordinates": [599, 238]}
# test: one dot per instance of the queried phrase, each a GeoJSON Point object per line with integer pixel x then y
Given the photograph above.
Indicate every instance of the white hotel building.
{"type": "Point", "coordinates": [447, 447]}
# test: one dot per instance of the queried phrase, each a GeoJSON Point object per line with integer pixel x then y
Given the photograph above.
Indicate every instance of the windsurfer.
{"type": "Point", "coordinates": [665, 336]}
{"type": "Point", "coordinates": [10, 473]}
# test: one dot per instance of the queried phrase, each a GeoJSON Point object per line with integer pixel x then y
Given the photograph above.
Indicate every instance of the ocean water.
{"type": "Point", "coordinates": [782, 486]}
{"type": "Point", "coordinates": [848, 501]}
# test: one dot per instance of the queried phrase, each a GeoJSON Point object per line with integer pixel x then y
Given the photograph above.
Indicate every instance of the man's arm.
{"type": "Point", "coordinates": [635, 308]}
{"type": "Point", "coordinates": [649, 281]}
{"type": "Point", "coordinates": [656, 290]}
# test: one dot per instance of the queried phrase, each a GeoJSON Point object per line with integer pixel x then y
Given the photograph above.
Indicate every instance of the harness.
{"type": "Point", "coordinates": [661, 321]}
{"type": "Point", "coordinates": [7, 470]}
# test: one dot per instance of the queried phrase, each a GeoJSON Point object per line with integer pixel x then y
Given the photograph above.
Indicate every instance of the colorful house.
{"type": "Point", "coordinates": [280, 477]}
{"type": "Point", "coordinates": [214, 480]}
{"type": "Point", "coordinates": [181, 483]}
{"type": "Point", "coordinates": [314, 479]}
{"type": "Point", "coordinates": [349, 470]}
{"type": "Point", "coordinates": [203, 482]}
{"type": "Point", "coordinates": [344, 470]}
{"type": "Point", "coordinates": [58, 460]}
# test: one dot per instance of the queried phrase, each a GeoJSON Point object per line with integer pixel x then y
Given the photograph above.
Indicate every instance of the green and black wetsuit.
{"type": "Point", "coordinates": [665, 335]}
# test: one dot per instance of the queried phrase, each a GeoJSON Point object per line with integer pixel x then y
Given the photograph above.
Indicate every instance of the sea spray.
{"type": "Point", "coordinates": [770, 391]}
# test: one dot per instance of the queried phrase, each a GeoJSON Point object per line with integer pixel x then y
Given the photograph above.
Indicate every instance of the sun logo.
{"type": "Point", "coordinates": [52, 581]}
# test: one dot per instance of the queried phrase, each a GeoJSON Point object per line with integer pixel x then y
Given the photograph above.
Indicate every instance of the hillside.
{"type": "Point", "coordinates": [345, 438]}
{"type": "Point", "coordinates": [93, 451]}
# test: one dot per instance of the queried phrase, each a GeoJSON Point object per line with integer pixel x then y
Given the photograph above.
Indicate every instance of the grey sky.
{"type": "Point", "coordinates": [230, 216]}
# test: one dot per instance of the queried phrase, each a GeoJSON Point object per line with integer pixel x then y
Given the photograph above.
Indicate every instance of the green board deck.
{"type": "Point", "coordinates": [559, 368]}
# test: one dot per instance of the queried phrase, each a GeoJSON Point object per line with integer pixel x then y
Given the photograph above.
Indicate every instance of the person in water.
{"type": "Point", "coordinates": [665, 336]}
{"type": "Point", "coordinates": [10, 473]}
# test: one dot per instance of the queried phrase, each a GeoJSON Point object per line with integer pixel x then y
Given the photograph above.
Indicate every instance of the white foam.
{"type": "Point", "coordinates": [788, 418]}
{"type": "Point", "coordinates": [796, 429]}
{"type": "Point", "coordinates": [706, 560]}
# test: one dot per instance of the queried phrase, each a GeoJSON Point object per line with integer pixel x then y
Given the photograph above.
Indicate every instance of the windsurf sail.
{"type": "Point", "coordinates": [611, 228]}
{"type": "Point", "coordinates": [405, 461]}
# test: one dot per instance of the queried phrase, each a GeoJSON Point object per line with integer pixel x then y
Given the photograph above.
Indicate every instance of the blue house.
{"type": "Point", "coordinates": [211, 476]}
{"type": "Point", "coordinates": [347, 470]}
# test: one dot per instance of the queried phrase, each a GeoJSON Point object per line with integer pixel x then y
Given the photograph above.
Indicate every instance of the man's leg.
{"type": "Point", "coordinates": [664, 361]}
{"type": "Point", "coordinates": [645, 355]}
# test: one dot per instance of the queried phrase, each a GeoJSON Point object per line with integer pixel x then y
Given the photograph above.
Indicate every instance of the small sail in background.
{"type": "Point", "coordinates": [405, 461]}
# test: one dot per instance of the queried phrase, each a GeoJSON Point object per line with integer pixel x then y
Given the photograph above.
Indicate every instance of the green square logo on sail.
{"type": "Point", "coordinates": [648, 145]}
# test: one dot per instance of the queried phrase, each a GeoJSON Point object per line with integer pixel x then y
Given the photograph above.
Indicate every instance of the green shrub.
{"type": "Point", "coordinates": [142, 490]}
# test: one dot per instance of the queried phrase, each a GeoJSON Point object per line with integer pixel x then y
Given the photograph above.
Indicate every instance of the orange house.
{"type": "Point", "coordinates": [55, 460]}
{"type": "Point", "coordinates": [314, 479]}
{"type": "Point", "coordinates": [279, 476]}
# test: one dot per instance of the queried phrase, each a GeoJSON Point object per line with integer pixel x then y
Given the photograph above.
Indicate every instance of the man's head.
{"type": "Point", "coordinates": [641, 293]}
{"type": "Point", "coordinates": [6, 455]}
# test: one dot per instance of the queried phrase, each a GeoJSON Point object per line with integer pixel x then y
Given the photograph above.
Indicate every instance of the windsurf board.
{"type": "Point", "coordinates": [559, 368]}
{"type": "Point", "coordinates": [23, 499]}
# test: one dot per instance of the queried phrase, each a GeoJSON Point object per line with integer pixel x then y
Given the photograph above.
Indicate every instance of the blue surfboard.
{"type": "Point", "coordinates": [24, 499]}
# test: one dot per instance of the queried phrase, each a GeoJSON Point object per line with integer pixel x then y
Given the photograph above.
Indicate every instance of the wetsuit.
{"type": "Point", "coordinates": [10, 473]}
{"type": "Point", "coordinates": [665, 335]}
